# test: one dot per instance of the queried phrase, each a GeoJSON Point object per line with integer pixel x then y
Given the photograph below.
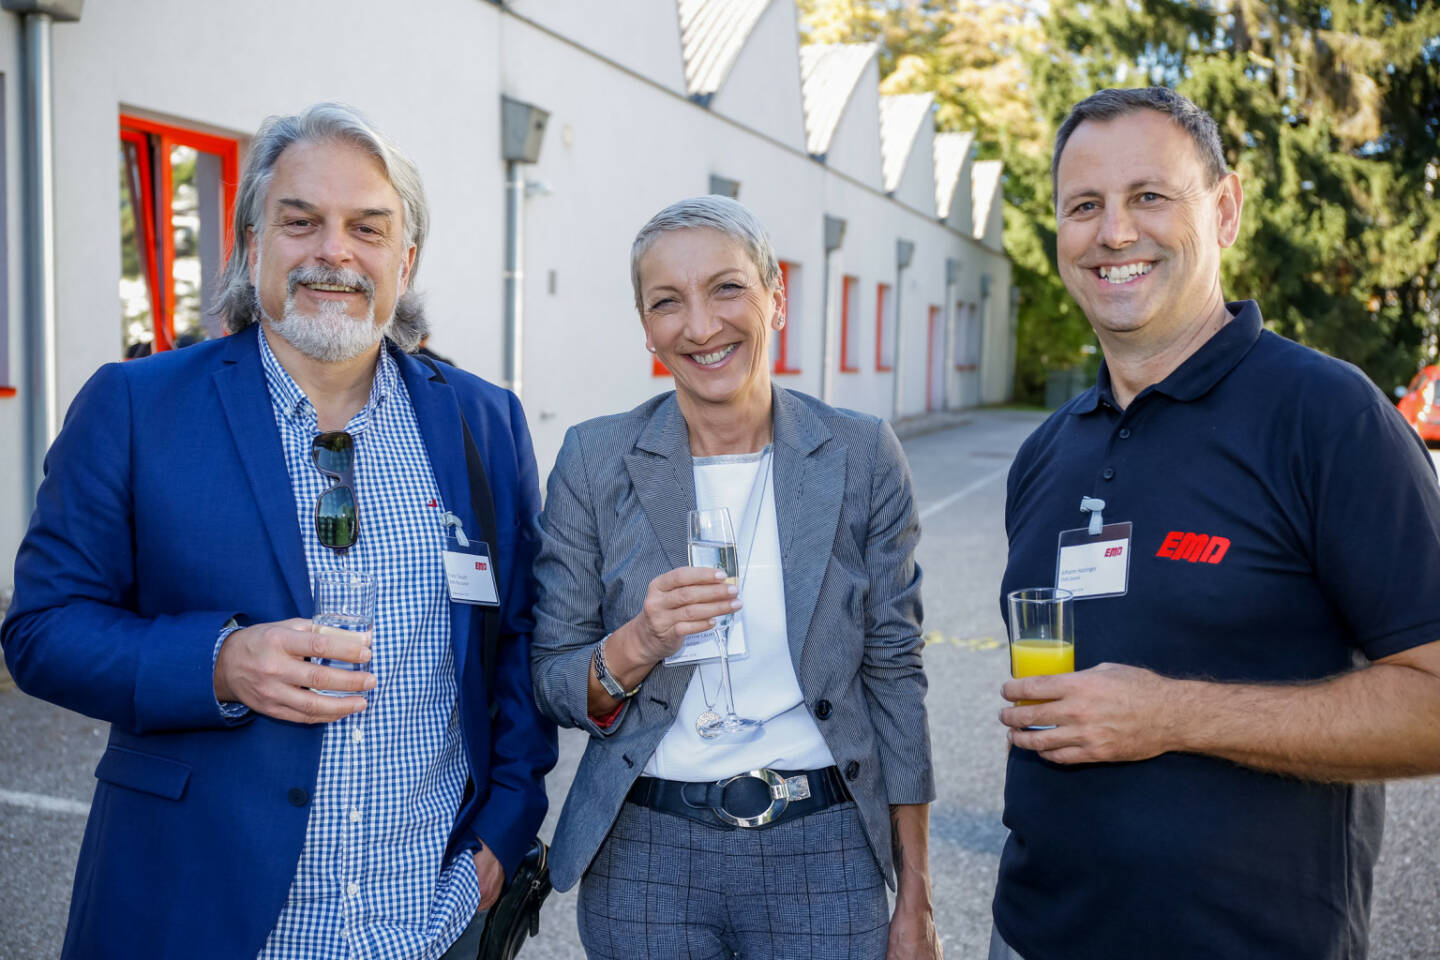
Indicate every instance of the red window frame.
{"type": "Point", "coordinates": [848, 286]}
{"type": "Point", "coordinates": [782, 346]}
{"type": "Point", "coordinates": [880, 290]}
{"type": "Point", "coordinates": [155, 206]}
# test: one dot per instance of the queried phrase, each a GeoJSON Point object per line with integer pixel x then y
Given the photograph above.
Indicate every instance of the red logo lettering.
{"type": "Point", "coordinates": [432, 503]}
{"type": "Point", "coordinates": [480, 565]}
{"type": "Point", "coordinates": [1193, 547]}
{"type": "Point", "coordinates": [1114, 551]}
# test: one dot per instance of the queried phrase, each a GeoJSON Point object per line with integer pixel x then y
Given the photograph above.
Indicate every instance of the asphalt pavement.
{"type": "Point", "coordinates": [47, 756]}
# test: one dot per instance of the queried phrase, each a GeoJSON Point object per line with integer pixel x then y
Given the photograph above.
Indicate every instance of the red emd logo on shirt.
{"type": "Point", "coordinates": [1194, 547]}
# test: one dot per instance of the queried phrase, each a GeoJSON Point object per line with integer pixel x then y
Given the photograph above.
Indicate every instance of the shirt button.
{"type": "Point", "coordinates": [1109, 473]}
{"type": "Point", "coordinates": [357, 735]}
{"type": "Point", "coordinates": [822, 709]}
{"type": "Point", "coordinates": [298, 797]}
{"type": "Point", "coordinates": [353, 889]}
{"type": "Point", "coordinates": [1124, 433]}
{"type": "Point", "coordinates": [355, 815]}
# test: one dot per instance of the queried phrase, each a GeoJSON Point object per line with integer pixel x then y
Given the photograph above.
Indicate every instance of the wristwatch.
{"type": "Point", "coordinates": [606, 678]}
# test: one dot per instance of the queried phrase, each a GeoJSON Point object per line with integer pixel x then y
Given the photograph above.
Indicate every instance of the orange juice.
{"type": "Point", "coordinates": [1040, 658]}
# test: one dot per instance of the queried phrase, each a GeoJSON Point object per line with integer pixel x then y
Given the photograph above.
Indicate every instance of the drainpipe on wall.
{"type": "Point", "coordinates": [904, 253]}
{"type": "Point", "coordinates": [522, 127]}
{"type": "Point", "coordinates": [834, 237]}
{"type": "Point", "coordinates": [984, 321]}
{"type": "Point", "coordinates": [947, 339]}
{"type": "Point", "coordinates": [39, 350]}
{"type": "Point", "coordinates": [1011, 347]}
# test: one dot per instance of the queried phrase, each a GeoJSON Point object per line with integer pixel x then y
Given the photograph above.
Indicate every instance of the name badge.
{"type": "Point", "coordinates": [470, 573]}
{"type": "Point", "coordinates": [703, 648]}
{"type": "Point", "coordinates": [1094, 565]}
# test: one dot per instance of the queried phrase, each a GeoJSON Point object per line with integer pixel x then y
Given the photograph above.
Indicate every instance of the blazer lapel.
{"type": "Point", "coordinates": [663, 478]}
{"type": "Point", "coordinates": [437, 411]}
{"type": "Point", "coordinates": [809, 485]}
{"type": "Point", "coordinates": [245, 401]}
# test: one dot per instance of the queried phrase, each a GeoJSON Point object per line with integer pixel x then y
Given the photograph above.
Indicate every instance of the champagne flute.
{"type": "Point", "coordinates": [712, 544]}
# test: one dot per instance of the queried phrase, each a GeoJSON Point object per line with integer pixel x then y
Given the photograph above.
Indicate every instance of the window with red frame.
{"type": "Point", "coordinates": [967, 337]}
{"type": "Point", "coordinates": [849, 325]}
{"type": "Point", "coordinates": [788, 340]}
{"type": "Point", "coordinates": [884, 331]}
{"type": "Point", "coordinates": [177, 199]}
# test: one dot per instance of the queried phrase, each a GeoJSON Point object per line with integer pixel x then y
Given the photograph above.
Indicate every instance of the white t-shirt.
{"type": "Point", "coordinates": [766, 687]}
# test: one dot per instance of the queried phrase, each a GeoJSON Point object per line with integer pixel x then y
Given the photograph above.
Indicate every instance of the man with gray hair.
{"type": "Point", "coordinates": [1251, 534]}
{"type": "Point", "coordinates": [165, 587]}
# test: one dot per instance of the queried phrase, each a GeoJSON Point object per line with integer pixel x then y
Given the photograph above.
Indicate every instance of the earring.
{"type": "Point", "coordinates": [650, 348]}
{"type": "Point", "coordinates": [780, 322]}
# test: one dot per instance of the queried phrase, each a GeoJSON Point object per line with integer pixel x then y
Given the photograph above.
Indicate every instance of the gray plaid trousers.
{"type": "Point", "coordinates": [666, 888]}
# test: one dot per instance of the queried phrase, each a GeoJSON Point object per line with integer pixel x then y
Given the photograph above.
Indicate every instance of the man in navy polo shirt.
{"type": "Point", "coordinates": [1262, 646]}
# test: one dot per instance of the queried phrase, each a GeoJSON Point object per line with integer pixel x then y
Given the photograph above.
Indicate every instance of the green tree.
{"type": "Point", "coordinates": [1330, 112]}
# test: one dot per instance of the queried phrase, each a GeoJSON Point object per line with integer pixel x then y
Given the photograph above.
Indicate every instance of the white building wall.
{"type": "Point", "coordinates": [621, 143]}
{"type": "Point", "coordinates": [855, 146]}
{"type": "Point", "coordinates": [640, 35]}
{"type": "Point", "coordinates": [917, 184]}
{"type": "Point", "coordinates": [14, 504]}
{"type": "Point", "coordinates": [763, 88]}
{"type": "Point", "coordinates": [960, 202]}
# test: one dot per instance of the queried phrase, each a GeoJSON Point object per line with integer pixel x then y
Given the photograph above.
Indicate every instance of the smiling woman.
{"type": "Point", "coordinates": [827, 798]}
{"type": "Point", "coordinates": [708, 316]}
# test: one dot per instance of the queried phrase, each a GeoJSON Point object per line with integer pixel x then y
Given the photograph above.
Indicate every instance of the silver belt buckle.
{"type": "Point", "coordinates": [782, 791]}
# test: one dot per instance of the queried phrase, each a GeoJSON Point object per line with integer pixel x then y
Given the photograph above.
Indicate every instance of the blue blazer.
{"type": "Point", "coordinates": [165, 511]}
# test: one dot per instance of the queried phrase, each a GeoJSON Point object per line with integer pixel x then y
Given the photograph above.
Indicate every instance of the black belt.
{"type": "Point", "coordinates": [755, 798]}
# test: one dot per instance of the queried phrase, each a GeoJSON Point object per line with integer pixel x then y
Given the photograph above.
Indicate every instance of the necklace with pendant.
{"type": "Point", "coordinates": [706, 722]}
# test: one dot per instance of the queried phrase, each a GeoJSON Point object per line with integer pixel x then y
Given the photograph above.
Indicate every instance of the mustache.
{"type": "Point", "coordinates": [332, 276]}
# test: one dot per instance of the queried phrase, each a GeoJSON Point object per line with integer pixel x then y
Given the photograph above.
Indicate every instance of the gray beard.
{"type": "Point", "coordinates": [330, 335]}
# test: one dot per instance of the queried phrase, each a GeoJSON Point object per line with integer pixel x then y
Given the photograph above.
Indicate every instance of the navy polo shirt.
{"type": "Point", "coordinates": [1286, 524]}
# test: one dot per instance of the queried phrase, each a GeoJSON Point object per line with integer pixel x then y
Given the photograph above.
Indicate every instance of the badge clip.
{"type": "Point", "coordinates": [450, 520]}
{"type": "Point", "coordinates": [1094, 506]}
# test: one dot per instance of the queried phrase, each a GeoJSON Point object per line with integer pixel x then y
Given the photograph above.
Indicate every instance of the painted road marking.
{"type": "Point", "coordinates": [965, 643]}
{"type": "Point", "coordinates": [37, 801]}
{"type": "Point", "coordinates": [961, 494]}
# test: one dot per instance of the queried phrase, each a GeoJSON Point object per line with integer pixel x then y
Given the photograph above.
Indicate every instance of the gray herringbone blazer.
{"type": "Point", "coordinates": [615, 519]}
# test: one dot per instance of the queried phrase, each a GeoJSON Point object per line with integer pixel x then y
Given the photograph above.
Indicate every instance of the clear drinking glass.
{"type": "Point", "coordinates": [344, 601]}
{"type": "Point", "coordinates": [1042, 633]}
{"type": "Point", "coordinates": [711, 543]}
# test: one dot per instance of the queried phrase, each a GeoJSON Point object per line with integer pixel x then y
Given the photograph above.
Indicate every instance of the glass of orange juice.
{"type": "Point", "coordinates": [1042, 633]}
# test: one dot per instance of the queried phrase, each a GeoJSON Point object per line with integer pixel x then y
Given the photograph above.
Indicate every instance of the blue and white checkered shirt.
{"type": "Point", "coordinates": [371, 880]}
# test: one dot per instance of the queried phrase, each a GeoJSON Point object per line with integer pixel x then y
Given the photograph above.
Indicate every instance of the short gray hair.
{"type": "Point", "coordinates": [236, 305]}
{"type": "Point", "coordinates": [1110, 104]}
{"type": "Point", "coordinates": [711, 212]}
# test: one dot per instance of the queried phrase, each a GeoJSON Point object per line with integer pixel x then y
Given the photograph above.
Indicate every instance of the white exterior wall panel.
{"type": "Point", "coordinates": [14, 504]}
{"type": "Point", "coordinates": [763, 88]}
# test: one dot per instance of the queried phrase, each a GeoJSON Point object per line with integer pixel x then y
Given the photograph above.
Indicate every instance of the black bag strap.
{"type": "Point", "coordinates": [482, 504]}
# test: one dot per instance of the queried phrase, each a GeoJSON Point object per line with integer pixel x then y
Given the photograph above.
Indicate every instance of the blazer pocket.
{"type": "Point", "coordinates": [145, 772]}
